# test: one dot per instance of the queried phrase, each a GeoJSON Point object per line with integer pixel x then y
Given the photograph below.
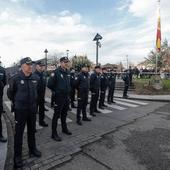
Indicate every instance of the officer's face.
{"type": "Point", "coordinates": [85, 69]}
{"type": "Point", "coordinates": [27, 68]}
{"type": "Point", "coordinates": [65, 65]}
{"type": "Point", "coordinates": [40, 68]}
{"type": "Point", "coordinates": [97, 70]}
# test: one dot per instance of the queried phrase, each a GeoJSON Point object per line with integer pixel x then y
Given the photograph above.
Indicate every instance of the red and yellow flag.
{"type": "Point", "coordinates": [158, 36]}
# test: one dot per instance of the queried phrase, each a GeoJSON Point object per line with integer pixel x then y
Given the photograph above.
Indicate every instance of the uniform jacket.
{"type": "Point", "coordinates": [103, 82]}
{"type": "Point", "coordinates": [59, 82]}
{"type": "Point", "coordinates": [82, 81]}
{"type": "Point", "coordinates": [23, 91]}
{"type": "Point", "coordinates": [94, 82]}
{"type": "Point", "coordinates": [2, 78]}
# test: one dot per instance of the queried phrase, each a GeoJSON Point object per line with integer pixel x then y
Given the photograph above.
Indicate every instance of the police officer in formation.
{"type": "Point", "coordinates": [82, 85]}
{"type": "Point", "coordinates": [60, 83]}
{"type": "Point", "coordinates": [94, 88]}
{"type": "Point", "coordinates": [73, 89]}
{"type": "Point", "coordinates": [103, 88]}
{"type": "Point", "coordinates": [40, 67]}
{"type": "Point", "coordinates": [111, 86]}
{"type": "Point", "coordinates": [2, 85]}
{"type": "Point", "coordinates": [23, 93]}
{"type": "Point", "coordinates": [126, 80]}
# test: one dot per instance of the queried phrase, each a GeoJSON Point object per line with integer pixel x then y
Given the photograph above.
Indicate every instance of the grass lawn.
{"type": "Point", "coordinates": [142, 87]}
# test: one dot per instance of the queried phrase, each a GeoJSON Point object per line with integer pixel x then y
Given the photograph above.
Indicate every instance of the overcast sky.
{"type": "Point", "coordinates": [128, 27]}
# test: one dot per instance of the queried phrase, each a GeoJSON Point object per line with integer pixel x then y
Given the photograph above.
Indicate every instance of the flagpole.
{"type": "Point", "coordinates": [158, 39]}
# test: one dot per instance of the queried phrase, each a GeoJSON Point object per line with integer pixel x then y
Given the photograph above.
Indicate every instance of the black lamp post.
{"type": "Point", "coordinates": [46, 51]}
{"type": "Point", "coordinates": [98, 44]}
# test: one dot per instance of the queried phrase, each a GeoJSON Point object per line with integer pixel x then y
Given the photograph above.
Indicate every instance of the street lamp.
{"type": "Point", "coordinates": [98, 45]}
{"type": "Point", "coordinates": [67, 51]}
{"type": "Point", "coordinates": [46, 51]}
{"type": "Point", "coordinates": [127, 61]}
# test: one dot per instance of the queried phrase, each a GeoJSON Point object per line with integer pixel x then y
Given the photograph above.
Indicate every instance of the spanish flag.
{"type": "Point", "coordinates": [158, 36]}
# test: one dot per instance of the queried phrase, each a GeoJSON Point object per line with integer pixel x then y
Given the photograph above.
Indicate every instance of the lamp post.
{"type": "Point", "coordinates": [127, 61]}
{"type": "Point", "coordinates": [46, 51]}
{"type": "Point", "coordinates": [67, 51]}
{"type": "Point", "coordinates": [98, 44]}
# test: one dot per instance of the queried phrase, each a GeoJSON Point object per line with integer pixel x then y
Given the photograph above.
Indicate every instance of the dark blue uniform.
{"type": "Point", "coordinates": [82, 85]}
{"type": "Point", "coordinates": [23, 92]}
{"type": "Point", "coordinates": [103, 87]}
{"type": "Point", "coordinates": [111, 85]}
{"type": "Point", "coordinates": [2, 84]}
{"type": "Point", "coordinates": [73, 90]}
{"type": "Point", "coordinates": [41, 96]}
{"type": "Point", "coordinates": [59, 82]}
{"type": "Point", "coordinates": [126, 80]}
{"type": "Point", "coordinates": [94, 88]}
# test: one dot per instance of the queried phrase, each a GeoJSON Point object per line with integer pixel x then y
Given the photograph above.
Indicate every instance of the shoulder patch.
{"type": "Point", "coordinates": [52, 74]}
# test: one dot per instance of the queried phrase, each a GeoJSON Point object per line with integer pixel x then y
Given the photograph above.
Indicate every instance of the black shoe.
{"type": "Point", "coordinates": [100, 107]}
{"type": "Point", "coordinates": [56, 138]}
{"type": "Point", "coordinates": [45, 109]}
{"type": "Point", "coordinates": [97, 111]}
{"type": "Point", "coordinates": [86, 119]}
{"type": "Point", "coordinates": [73, 106]}
{"type": "Point", "coordinates": [18, 162]}
{"type": "Point", "coordinates": [92, 114]}
{"type": "Point", "coordinates": [113, 102]}
{"type": "Point", "coordinates": [35, 153]}
{"type": "Point", "coordinates": [3, 111]}
{"type": "Point", "coordinates": [67, 132]}
{"type": "Point", "coordinates": [79, 122]}
{"type": "Point", "coordinates": [43, 124]}
{"type": "Point", "coordinates": [105, 105]}
{"type": "Point", "coordinates": [125, 97]}
{"type": "Point", "coordinates": [2, 139]}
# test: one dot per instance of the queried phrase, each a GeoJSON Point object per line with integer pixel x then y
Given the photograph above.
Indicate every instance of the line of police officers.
{"type": "Point", "coordinates": [26, 91]}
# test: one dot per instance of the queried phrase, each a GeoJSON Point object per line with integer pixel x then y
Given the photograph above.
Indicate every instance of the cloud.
{"type": "Point", "coordinates": [26, 32]}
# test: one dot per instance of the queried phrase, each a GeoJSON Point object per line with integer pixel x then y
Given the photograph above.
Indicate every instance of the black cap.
{"type": "Point", "coordinates": [104, 68]}
{"type": "Point", "coordinates": [26, 60]}
{"type": "Point", "coordinates": [64, 59]}
{"type": "Point", "coordinates": [40, 63]}
{"type": "Point", "coordinates": [97, 67]}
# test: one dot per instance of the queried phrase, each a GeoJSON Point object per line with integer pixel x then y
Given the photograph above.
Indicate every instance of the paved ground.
{"type": "Point", "coordinates": [87, 148]}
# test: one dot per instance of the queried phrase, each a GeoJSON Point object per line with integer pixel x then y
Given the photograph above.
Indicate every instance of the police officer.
{"type": "Point", "coordinates": [111, 85]}
{"type": "Point", "coordinates": [23, 92]}
{"type": "Point", "coordinates": [82, 85]}
{"type": "Point", "coordinates": [73, 90]}
{"type": "Point", "coordinates": [60, 83]}
{"type": "Point", "coordinates": [94, 88]}
{"type": "Point", "coordinates": [40, 67]}
{"type": "Point", "coordinates": [126, 80]}
{"type": "Point", "coordinates": [2, 84]}
{"type": "Point", "coordinates": [103, 87]}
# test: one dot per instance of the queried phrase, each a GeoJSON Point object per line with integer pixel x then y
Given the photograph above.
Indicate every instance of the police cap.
{"type": "Point", "coordinates": [40, 63]}
{"type": "Point", "coordinates": [26, 60]}
{"type": "Point", "coordinates": [64, 59]}
{"type": "Point", "coordinates": [97, 67]}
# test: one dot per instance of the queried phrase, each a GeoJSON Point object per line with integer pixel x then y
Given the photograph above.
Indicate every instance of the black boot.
{"type": "Point", "coordinates": [86, 119]}
{"type": "Point", "coordinates": [56, 137]}
{"type": "Point", "coordinates": [35, 153]}
{"type": "Point", "coordinates": [79, 122]}
{"type": "Point", "coordinates": [66, 131]}
{"type": "Point", "coordinates": [42, 123]}
{"type": "Point", "coordinates": [18, 162]}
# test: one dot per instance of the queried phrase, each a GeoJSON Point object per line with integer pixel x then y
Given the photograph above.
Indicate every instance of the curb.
{"type": "Point", "coordinates": [146, 99]}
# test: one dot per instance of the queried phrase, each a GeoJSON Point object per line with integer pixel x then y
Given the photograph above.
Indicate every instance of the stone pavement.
{"type": "Point", "coordinates": [122, 113]}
